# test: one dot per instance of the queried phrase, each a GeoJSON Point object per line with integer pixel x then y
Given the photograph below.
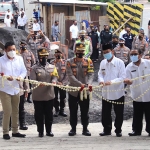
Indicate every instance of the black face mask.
{"type": "Point", "coordinates": [121, 44]}
{"type": "Point", "coordinates": [23, 48]}
{"type": "Point", "coordinates": [82, 38]}
{"type": "Point", "coordinates": [44, 61]}
{"type": "Point", "coordinates": [79, 55]}
{"type": "Point", "coordinates": [34, 38]}
{"type": "Point", "coordinates": [140, 37]}
{"type": "Point", "coordinates": [58, 57]}
{"type": "Point", "coordinates": [92, 31]}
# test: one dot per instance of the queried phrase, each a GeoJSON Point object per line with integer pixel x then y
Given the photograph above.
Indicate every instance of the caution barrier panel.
{"type": "Point", "coordinates": [120, 13]}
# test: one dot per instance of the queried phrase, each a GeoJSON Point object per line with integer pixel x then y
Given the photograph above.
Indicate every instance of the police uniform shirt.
{"type": "Point", "coordinates": [128, 40]}
{"type": "Point", "coordinates": [133, 71]}
{"type": "Point", "coordinates": [113, 71]}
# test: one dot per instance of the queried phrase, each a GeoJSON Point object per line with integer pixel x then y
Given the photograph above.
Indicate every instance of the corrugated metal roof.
{"type": "Point", "coordinates": [70, 2]}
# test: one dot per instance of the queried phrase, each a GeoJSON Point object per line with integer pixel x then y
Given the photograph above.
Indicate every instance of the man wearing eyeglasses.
{"type": "Point", "coordinates": [139, 68]}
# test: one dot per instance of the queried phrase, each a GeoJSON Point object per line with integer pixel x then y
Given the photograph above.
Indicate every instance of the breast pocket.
{"type": "Point", "coordinates": [118, 53]}
{"type": "Point", "coordinates": [125, 54]}
{"type": "Point", "coordinates": [85, 69]}
{"type": "Point", "coordinates": [141, 46]}
{"type": "Point", "coordinates": [28, 60]}
{"type": "Point", "coordinates": [39, 74]}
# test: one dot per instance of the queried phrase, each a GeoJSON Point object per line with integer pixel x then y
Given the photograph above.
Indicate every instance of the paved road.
{"type": "Point", "coordinates": [61, 141]}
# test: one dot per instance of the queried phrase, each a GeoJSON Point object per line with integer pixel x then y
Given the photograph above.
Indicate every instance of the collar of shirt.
{"type": "Point", "coordinates": [112, 61]}
{"type": "Point", "coordinates": [7, 59]}
{"type": "Point", "coordinates": [132, 64]}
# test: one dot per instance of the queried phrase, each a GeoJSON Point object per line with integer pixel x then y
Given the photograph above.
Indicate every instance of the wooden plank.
{"type": "Point", "coordinates": [70, 17]}
{"type": "Point", "coordinates": [103, 20]}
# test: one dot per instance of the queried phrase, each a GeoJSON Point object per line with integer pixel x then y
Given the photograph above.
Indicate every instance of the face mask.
{"type": "Point", "coordinates": [82, 37]}
{"type": "Point", "coordinates": [11, 54]}
{"type": "Point", "coordinates": [23, 48]}
{"type": "Point", "coordinates": [58, 57]}
{"type": "Point", "coordinates": [121, 44]}
{"type": "Point", "coordinates": [79, 55]}
{"type": "Point", "coordinates": [140, 37]}
{"type": "Point", "coordinates": [134, 58]}
{"type": "Point", "coordinates": [108, 56]}
{"type": "Point", "coordinates": [93, 31]}
{"type": "Point", "coordinates": [34, 38]}
{"type": "Point", "coordinates": [43, 61]}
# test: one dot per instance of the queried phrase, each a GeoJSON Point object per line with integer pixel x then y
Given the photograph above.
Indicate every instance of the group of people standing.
{"type": "Point", "coordinates": [77, 72]}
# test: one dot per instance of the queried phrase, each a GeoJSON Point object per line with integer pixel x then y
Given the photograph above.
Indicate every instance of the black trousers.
{"type": "Point", "coordinates": [84, 108]}
{"type": "Point", "coordinates": [95, 53]}
{"type": "Point", "coordinates": [21, 111]}
{"type": "Point", "coordinates": [62, 102]}
{"type": "Point", "coordinates": [43, 110]}
{"type": "Point", "coordinates": [139, 109]}
{"type": "Point", "coordinates": [72, 43]}
{"type": "Point", "coordinates": [21, 27]}
{"type": "Point", "coordinates": [106, 115]}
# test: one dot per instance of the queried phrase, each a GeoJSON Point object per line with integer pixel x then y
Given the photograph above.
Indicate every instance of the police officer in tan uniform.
{"type": "Point", "coordinates": [122, 51]}
{"type": "Point", "coordinates": [34, 42]}
{"type": "Point", "coordinates": [62, 80]}
{"type": "Point", "coordinates": [141, 44]}
{"type": "Point", "coordinates": [80, 74]}
{"type": "Point", "coordinates": [29, 61]}
{"type": "Point", "coordinates": [43, 96]}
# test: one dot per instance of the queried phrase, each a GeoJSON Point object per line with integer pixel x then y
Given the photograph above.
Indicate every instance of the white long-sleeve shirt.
{"type": "Point", "coordinates": [14, 68]}
{"type": "Point", "coordinates": [113, 71]}
{"type": "Point", "coordinates": [21, 21]}
{"type": "Point", "coordinates": [133, 71]}
{"type": "Point", "coordinates": [36, 27]}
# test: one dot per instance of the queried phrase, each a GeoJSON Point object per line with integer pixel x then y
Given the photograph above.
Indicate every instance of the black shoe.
{"type": "Point", "coordinates": [86, 133]}
{"type": "Point", "coordinates": [6, 137]}
{"type": "Point", "coordinates": [134, 134]}
{"type": "Point", "coordinates": [119, 134]}
{"type": "Point", "coordinates": [18, 135]}
{"type": "Point", "coordinates": [62, 113]}
{"type": "Point", "coordinates": [50, 134]}
{"type": "Point", "coordinates": [29, 101]}
{"type": "Point", "coordinates": [105, 133]}
{"type": "Point", "coordinates": [56, 114]}
{"type": "Point", "coordinates": [23, 127]}
{"type": "Point", "coordinates": [72, 132]}
{"type": "Point", "coordinates": [41, 134]}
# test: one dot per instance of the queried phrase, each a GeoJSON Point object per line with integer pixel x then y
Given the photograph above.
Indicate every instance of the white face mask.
{"type": "Point", "coordinates": [11, 54]}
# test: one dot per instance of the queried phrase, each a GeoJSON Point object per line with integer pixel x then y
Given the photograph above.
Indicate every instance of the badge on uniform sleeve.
{"type": "Point", "coordinates": [103, 72]}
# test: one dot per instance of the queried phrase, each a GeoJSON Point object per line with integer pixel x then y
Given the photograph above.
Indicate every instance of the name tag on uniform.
{"type": "Point", "coordinates": [133, 71]}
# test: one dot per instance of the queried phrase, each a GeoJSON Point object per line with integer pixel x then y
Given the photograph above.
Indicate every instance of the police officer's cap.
{"type": "Point", "coordinates": [82, 32]}
{"type": "Point", "coordinates": [80, 47]}
{"type": "Point", "coordinates": [23, 42]}
{"type": "Point", "coordinates": [58, 51]}
{"type": "Point", "coordinates": [42, 51]}
{"type": "Point", "coordinates": [121, 39]}
{"type": "Point", "coordinates": [107, 46]}
{"type": "Point", "coordinates": [115, 36]}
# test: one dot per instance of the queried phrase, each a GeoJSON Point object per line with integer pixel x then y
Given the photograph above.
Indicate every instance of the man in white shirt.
{"type": "Point", "coordinates": [36, 26]}
{"type": "Point", "coordinates": [73, 33]}
{"type": "Point", "coordinates": [124, 31]}
{"type": "Point", "coordinates": [137, 68]}
{"type": "Point", "coordinates": [21, 22]}
{"type": "Point", "coordinates": [7, 21]}
{"type": "Point", "coordinates": [9, 13]}
{"type": "Point", "coordinates": [111, 70]}
{"type": "Point", "coordinates": [12, 66]}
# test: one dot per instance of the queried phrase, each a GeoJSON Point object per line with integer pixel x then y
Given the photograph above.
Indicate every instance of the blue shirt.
{"type": "Point", "coordinates": [128, 40]}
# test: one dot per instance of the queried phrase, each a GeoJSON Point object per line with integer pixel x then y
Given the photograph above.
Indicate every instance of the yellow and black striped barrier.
{"type": "Point", "coordinates": [120, 13]}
